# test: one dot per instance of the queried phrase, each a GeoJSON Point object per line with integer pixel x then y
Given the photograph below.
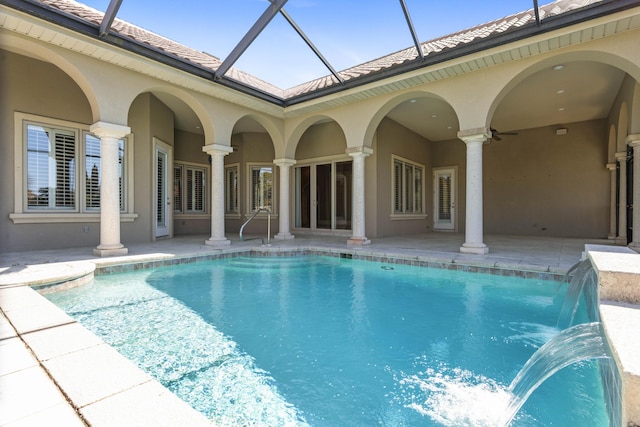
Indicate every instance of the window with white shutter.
{"type": "Point", "coordinates": [407, 187]}
{"type": "Point", "coordinates": [51, 168]}
{"type": "Point", "coordinates": [231, 189]}
{"type": "Point", "coordinates": [261, 182]}
{"type": "Point", "coordinates": [189, 189]}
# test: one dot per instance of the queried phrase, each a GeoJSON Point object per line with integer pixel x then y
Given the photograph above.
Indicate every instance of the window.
{"type": "Point", "coordinates": [189, 193]}
{"type": "Point", "coordinates": [60, 174]}
{"type": "Point", "coordinates": [261, 190]}
{"type": "Point", "coordinates": [407, 187]}
{"type": "Point", "coordinates": [53, 156]}
{"type": "Point", "coordinates": [51, 167]}
{"type": "Point", "coordinates": [231, 189]}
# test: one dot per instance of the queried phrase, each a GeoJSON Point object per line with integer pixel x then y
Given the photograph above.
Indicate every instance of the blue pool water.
{"type": "Point", "coordinates": [324, 341]}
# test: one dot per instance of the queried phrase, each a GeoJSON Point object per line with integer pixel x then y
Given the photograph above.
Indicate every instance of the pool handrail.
{"type": "Point", "coordinates": [255, 213]}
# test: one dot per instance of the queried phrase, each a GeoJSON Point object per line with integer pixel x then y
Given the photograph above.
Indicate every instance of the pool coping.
{"type": "Point", "coordinates": [75, 360]}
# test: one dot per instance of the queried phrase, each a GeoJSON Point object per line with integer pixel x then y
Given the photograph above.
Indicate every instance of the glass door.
{"type": "Point", "coordinates": [444, 203]}
{"type": "Point", "coordinates": [323, 196]}
{"type": "Point", "coordinates": [162, 197]}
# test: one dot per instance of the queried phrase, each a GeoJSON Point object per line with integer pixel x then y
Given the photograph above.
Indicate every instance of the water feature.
{"type": "Point", "coordinates": [573, 344]}
{"type": "Point", "coordinates": [582, 284]}
{"type": "Point", "coordinates": [578, 343]}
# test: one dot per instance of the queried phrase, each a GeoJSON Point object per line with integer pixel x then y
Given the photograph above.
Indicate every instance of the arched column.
{"type": "Point", "coordinates": [474, 139]}
{"type": "Point", "coordinates": [621, 238]}
{"type": "Point", "coordinates": [283, 215]}
{"type": "Point", "coordinates": [612, 203]}
{"type": "Point", "coordinates": [217, 153]}
{"type": "Point", "coordinates": [358, 217]}
{"type": "Point", "coordinates": [109, 134]}
{"type": "Point", "coordinates": [634, 141]}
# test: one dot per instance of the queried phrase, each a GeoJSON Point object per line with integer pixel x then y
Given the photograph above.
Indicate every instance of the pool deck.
{"type": "Point", "coordinates": [54, 372]}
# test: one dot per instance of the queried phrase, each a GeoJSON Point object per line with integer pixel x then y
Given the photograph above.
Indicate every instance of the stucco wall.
{"type": "Point", "coordinates": [539, 183]}
{"type": "Point", "coordinates": [35, 87]}
{"type": "Point", "coordinates": [394, 139]}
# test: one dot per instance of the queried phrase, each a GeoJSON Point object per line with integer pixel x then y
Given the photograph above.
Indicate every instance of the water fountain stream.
{"type": "Point", "coordinates": [573, 344]}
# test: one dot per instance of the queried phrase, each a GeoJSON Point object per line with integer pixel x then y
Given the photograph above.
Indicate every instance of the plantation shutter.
{"type": "Point", "coordinates": [177, 189]}
{"type": "Point", "coordinates": [92, 172]}
{"type": "Point", "coordinates": [231, 190]}
{"type": "Point", "coordinates": [444, 198]}
{"type": "Point", "coordinates": [397, 186]}
{"type": "Point", "coordinates": [195, 190]}
{"type": "Point", "coordinates": [51, 168]}
{"type": "Point", "coordinates": [408, 193]}
{"type": "Point", "coordinates": [417, 188]}
{"type": "Point", "coordinates": [256, 200]}
{"type": "Point", "coordinates": [121, 169]}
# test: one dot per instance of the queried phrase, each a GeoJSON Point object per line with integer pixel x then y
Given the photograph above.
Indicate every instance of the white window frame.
{"type": "Point", "coordinates": [274, 190]}
{"type": "Point", "coordinates": [22, 214]}
{"type": "Point", "coordinates": [414, 213]}
{"type": "Point", "coordinates": [232, 213]}
{"type": "Point", "coordinates": [183, 212]}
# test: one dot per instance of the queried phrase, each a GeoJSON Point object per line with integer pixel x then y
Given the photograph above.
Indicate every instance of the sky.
{"type": "Point", "coordinates": [346, 32]}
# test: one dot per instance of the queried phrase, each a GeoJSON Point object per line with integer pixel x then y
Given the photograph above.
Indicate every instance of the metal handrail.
{"type": "Point", "coordinates": [268, 211]}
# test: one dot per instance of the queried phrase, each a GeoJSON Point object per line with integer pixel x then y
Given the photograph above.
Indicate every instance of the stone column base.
{"type": "Point", "coordinates": [358, 241]}
{"type": "Point", "coordinates": [113, 251]}
{"type": "Point", "coordinates": [287, 236]}
{"type": "Point", "coordinates": [474, 248]}
{"type": "Point", "coordinates": [218, 242]}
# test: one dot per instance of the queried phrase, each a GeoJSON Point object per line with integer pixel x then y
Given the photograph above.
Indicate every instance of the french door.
{"type": "Point", "coordinates": [323, 196]}
{"type": "Point", "coordinates": [162, 198]}
{"type": "Point", "coordinates": [444, 181]}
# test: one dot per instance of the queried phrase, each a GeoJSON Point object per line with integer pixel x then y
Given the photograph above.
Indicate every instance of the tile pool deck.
{"type": "Point", "coordinates": [54, 372]}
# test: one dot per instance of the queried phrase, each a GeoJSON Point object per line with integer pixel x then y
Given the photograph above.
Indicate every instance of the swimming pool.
{"type": "Point", "coordinates": [327, 341]}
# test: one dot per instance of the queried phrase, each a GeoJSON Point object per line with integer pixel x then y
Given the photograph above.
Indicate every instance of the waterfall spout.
{"type": "Point", "coordinates": [581, 342]}
{"type": "Point", "coordinates": [583, 282]}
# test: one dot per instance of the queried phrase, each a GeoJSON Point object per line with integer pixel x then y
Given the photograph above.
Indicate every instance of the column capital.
{"type": "Point", "coordinates": [612, 166]}
{"type": "Point", "coordinates": [282, 162]}
{"type": "Point", "coordinates": [621, 155]}
{"type": "Point", "coordinates": [109, 130]}
{"type": "Point", "coordinates": [359, 151]}
{"type": "Point", "coordinates": [212, 149]}
{"type": "Point", "coordinates": [633, 140]}
{"type": "Point", "coordinates": [474, 135]}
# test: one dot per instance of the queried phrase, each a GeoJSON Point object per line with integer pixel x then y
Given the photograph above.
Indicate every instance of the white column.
{"type": "Point", "coordinates": [621, 239]}
{"type": "Point", "coordinates": [634, 141]}
{"type": "Point", "coordinates": [358, 209]}
{"type": "Point", "coordinates": [612, 202]}
{"type": "Point", "coordinates": [109, 135]}
{"type": "Point", "coordinates": [474, 140]}
{"type": "Point", "coordinates": [217, 153]}
{"type": "Point", "coordinates": [283, 214]}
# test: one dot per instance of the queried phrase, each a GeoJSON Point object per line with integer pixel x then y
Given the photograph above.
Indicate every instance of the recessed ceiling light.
{"type": "Point", "coordinates": [433, 116]}
{"type": "Point", "coordinates": [560, 92]}
{"type": "Point", "coordinates": [449, 127]}
{"type": "Point", "coordinates": [558, 67]}
{"type": "Point", "coordinates": [412, 101]}
{"type": "Point", "coordinates": [561, 109]}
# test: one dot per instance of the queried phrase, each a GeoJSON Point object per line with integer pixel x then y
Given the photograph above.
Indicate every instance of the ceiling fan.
{"type": "Point", "coordinates": [495, 134]}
